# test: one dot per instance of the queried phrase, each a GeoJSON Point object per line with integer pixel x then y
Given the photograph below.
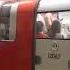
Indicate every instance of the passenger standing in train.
{"type": "Point", "coordinates": [40, 27]}
{"type": "Point", "coordinates": [53, 25]}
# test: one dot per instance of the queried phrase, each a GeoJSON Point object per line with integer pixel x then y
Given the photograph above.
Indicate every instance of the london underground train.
{"type": "Point", "coordinates": [16, 35]}
{"type": "Point", "coordinates": [35, 35]}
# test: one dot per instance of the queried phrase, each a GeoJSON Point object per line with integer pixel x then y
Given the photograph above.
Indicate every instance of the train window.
{"type": "Point", "coordinates": [7, 28]}
{"type": "Point", "coordinates": [52, 22]}
{"type": "Point", "coordinates": [55, 25]}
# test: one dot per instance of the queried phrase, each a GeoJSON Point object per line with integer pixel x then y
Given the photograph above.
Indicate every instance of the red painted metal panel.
{"type": "Point", "coordinates": [25, 35]}
{"type": "Point", "coordinates": [17, 55]}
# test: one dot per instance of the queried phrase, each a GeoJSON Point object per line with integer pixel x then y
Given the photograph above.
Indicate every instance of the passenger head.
{"type": "Point", "coordinates": [56, 26]}
{"type": "Point", "coordinates": [39, 26]}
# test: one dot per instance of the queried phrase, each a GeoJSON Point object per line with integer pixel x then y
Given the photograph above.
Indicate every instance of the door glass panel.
{"type": "Point", "coordinates": [6, 27]}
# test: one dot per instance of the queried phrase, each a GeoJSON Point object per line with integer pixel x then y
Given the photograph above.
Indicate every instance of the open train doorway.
{"type": "Point", "coordinates": [52, 36]}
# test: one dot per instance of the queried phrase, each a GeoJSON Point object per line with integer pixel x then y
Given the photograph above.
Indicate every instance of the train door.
{"type": "Point", "coordinates": [7, 36]}
{"type": "Point", "coordinates": [16, 35]}
{"type": "Point", "coordinates": [52, 35]}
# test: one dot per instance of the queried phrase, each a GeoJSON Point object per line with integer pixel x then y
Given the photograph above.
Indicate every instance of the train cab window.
{"type": "Point", "coordinates": [7, 28]}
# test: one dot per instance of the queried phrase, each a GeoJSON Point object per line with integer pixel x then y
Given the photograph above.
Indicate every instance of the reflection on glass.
{"type": "Point", "coordinates": [54, 25]}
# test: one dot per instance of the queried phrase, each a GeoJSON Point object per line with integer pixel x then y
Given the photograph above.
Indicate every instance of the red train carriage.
{"type": "Point", "coordinates": [16, 38]}
{"type": "Point", "coordinates": [35, 35]}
